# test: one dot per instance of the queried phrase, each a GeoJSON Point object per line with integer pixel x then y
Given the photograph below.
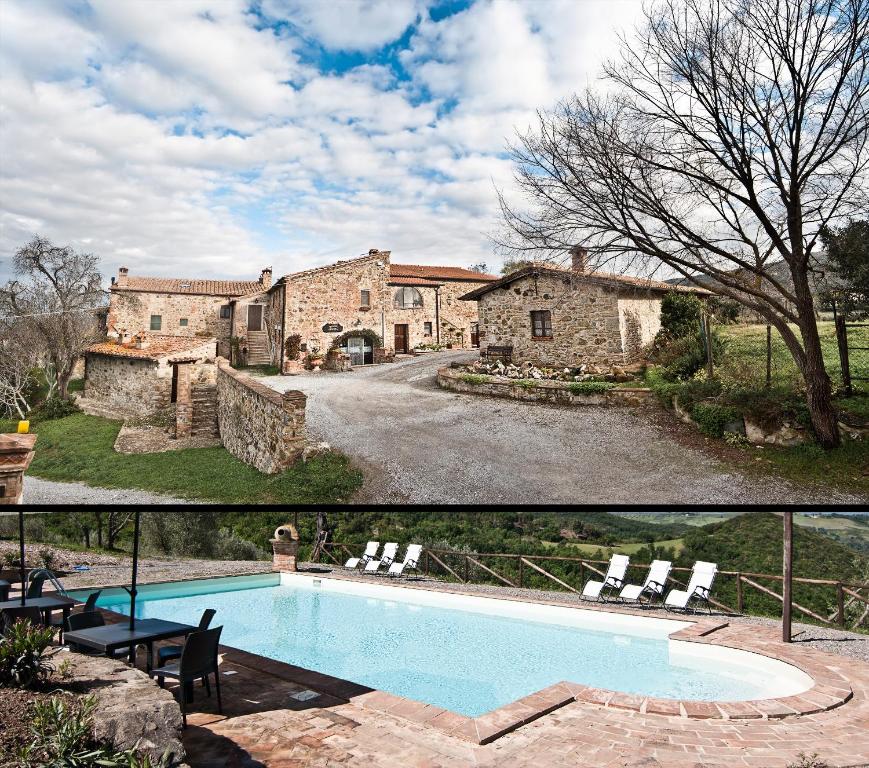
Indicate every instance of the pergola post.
{"type": "Point", "coordinates": [787, 583]}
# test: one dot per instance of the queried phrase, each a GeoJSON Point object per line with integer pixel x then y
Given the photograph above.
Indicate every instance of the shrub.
{"type": "Point", "coordinates": [54, 408]}
{"type": "Point", "coordinates": [63, 738]}
{"type": "Point", "coordinates": [525, 383]}
{"type": "Point", "coordinates": [232, 547]}
{"type": "Point", "coordinates": [712, 417]}
{"type": "Point", "coordinates": [680, 315]}
{"type": "Point", "coordinates": [589, 387]}
{"type": "Point", "coordinates": [366, 333]}
{"type": "Point", "coordinates": [473, 378]}
{"type": "Point", "coordinates": [47, 557]}
{"type": "Point", "coordinates": [293, 346]}
{"type": "Point", "coordinates": [22, 655]}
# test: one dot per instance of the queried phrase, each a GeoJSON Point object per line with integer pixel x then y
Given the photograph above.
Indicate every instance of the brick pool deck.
{"type": "Point", "coordinates": [334, 722]}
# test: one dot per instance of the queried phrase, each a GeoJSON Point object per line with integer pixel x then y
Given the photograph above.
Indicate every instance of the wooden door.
{"type": "Point", "coordinates": [475, 335]}
{"type": "Point", "coordinates": [401, 339]}
{"type": "Point", "coordinates": [254, 317]}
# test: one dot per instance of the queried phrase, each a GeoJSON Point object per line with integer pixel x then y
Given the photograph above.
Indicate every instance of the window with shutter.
{"type": "Point", "coordinates": [541, 324]}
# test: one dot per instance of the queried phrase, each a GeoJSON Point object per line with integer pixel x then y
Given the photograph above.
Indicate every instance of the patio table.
{"type": "Point", "coordinates": [46, 604]}
{"type": "Point", "coordinates": [113, 637]}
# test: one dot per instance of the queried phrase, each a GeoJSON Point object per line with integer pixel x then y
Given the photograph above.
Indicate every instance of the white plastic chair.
{"type": "Point", "coordinates": [369, 554]}
{"type": "Point", "coordinates": [390, 549]}
{"type": "Point", "coordinates": [410, 562]}
{"type": "Point", "coordinates": [613, 580]}
{"type": "Point", "coordinates": [699, 586]}
{"type": "Point", "coordinates": [653, 586]}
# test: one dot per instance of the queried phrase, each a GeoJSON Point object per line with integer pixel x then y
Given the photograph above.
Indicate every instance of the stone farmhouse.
{"type": "Point", "coordinates": [566, 317]}
{"type": "Point", "coordinates": [351, 302]}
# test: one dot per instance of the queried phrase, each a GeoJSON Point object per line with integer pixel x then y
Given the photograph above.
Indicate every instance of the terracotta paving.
{"type": "Point", "coordinates": [264, 725]}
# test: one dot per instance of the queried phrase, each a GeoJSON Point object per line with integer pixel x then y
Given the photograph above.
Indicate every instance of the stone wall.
{"type": "Point", "coordinates": [132, 310]}
{"type": "Point", "coordinates": [122, 387]}
{"type": "Point", "coordinates": [543, 391]}
{"type": "Point", "coordinates": [333, 295]}
{"type": "Point", "coordinates": [639, 323]}
{"type": "Point", "coordinates": [591, 322]}
{"type": "Point", "coordinates": [131, 709]}
{"type": "Point", "coordinates": [258, 425]}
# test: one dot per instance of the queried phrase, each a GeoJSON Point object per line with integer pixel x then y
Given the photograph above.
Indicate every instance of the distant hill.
{"type": "Point", "coordinates": [753, 543]}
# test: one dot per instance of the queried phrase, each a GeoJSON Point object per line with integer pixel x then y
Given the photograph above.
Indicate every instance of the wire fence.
{"type": "Point", "coordinates": [756, 356]}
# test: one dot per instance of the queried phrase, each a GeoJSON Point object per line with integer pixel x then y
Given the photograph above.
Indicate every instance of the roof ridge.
{"type": "Point", "coordinates": [341, 263]}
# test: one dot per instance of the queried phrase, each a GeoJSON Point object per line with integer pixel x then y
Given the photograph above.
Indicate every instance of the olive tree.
{"type": "Point", "coordinates": [726, 136]}
{"type": "Point", "coordinates": [55, 297]}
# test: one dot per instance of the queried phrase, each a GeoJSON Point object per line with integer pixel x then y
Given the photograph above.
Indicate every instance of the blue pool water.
{"type": "Point", "coordinates": [460, 660]}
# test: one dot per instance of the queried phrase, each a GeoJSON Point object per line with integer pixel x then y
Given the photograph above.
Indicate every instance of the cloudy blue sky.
{"type": "Point", "coordinates": [192, 137]}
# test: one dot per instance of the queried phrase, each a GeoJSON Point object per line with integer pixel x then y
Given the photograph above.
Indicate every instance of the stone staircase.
{"type": "Point", "coordinates": [258, 348]}
{"type": "Point", "coordinates": [204, 398]}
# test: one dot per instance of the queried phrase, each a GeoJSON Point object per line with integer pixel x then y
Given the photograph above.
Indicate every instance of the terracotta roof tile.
{"type": "Point", "coordinates": [594, 276]}
{"type": "Point", "coordinates": [420, 281]}
{"type": "Point", "coordinates": [158, 346]}
{"type": "Point", "coordinates": [438, 273]}
{"type": "Point", "coordinates": [183, 285]}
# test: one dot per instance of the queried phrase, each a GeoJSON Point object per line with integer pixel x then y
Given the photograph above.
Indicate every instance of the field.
{"type": "Point", "coordinates": [744, 360]}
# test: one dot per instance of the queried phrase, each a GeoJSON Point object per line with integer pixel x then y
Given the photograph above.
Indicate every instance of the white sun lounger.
{"type": "Point", "coordinates": [699, 586]}
{"type": "Point", "coordinates": [389, 551]}
{"type": "Point", "coordinates": [370, 551]}
{"type": "Point", "coordinates": [613, 580]}
{"type": "Point", "coordinates": [410, 562]}
{"type": "Point", "coordinates": [653, 586]}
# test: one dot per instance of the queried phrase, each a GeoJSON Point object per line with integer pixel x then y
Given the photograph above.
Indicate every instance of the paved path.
{"type": "Point", "coordinates": [420, 444]}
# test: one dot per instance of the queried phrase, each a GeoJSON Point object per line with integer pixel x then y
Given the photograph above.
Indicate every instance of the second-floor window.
{"type": "Point", "coordinates": [156, 322]}
{"type": "Point", "coordinates": [541, 324]}
{"type": "Point", "coordinates": [426, 328]}
{"type": "Point", "coordinates": [407, 298]}
{"type": "Point", "coordinates": [364, 298]}
{"type": "Point", "coordinates": [183, 322]}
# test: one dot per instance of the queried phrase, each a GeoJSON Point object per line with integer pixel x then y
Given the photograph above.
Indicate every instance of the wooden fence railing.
{"type": "Point", "coordinates": [465, 564]}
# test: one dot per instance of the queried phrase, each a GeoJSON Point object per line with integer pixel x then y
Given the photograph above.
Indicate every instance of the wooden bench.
{"type": "Point", "coordinates": [499, 353]}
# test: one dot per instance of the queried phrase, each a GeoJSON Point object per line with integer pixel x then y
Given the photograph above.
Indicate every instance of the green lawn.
{"type": "Point", "coordinates": [745, 356]}
{"type": "Point", "coordinates": [79, 448]}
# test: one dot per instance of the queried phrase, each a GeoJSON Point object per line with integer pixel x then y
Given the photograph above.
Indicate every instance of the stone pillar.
{"type": "Point", "coordinates": [293, 438]}
{"type": "Point", "coordinates": [285, 546]}
{"type": "Point", "coordinates": [183, 402]}
{"type": "Point", "coordinates": [384, 355]}
{"type": "Point", "coordinates": [16, 453]}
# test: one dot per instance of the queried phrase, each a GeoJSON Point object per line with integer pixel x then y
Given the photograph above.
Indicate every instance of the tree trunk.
{"type": "Point", "coordinates": [62, 384]}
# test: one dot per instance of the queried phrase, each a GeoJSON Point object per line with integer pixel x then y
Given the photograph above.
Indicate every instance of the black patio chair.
{"type": "Point", "coordinates": [28, 613]}
{"type": "Point", "coordinates": [169, 652]}
{"type": "Point", "coordinates": [5, 587]}
{"type": "Point", "coordinates": [198, 661]}
{"type": "Point", "coordinates": [87, 620]}
{"type": "Point", "coordinates": [89, 606]}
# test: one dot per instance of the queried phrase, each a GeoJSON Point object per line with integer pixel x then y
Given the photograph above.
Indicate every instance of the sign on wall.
{"type": "Point", "coordinates": [333, 328]}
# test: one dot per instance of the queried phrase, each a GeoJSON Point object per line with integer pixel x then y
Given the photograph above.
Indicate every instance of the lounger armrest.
{"type": "Point", "coordinates": [702, 592]}
{"type": "Point", "coordinates": [612, 581]}
{"type": "Point", "coordinates": [410, 564]}
{"type": "Point", "coordinates": [387, 560]}
{"type": "Point", "coordinates": [658, 587]}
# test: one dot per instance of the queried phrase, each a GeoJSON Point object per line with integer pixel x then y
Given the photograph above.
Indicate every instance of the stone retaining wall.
{"type": "Point", "coordinates": [542, 391]}
{"type": "Point", "coordinates": [131, 709]}
{"type": "Point", "coordinates": [261, 427]}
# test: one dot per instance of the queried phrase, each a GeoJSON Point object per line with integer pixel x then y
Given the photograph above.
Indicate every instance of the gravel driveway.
{"type": "Point", "coordinates": [418, 443]}
{"type": "Point", "coordinates": [37, 491]}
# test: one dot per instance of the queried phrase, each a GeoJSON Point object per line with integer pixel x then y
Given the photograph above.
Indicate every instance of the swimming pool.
{"type": "Point", "coordinates": [468, 654]}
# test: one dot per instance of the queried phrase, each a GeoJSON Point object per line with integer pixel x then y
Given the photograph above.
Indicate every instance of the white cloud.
{"type": "Point", "coordinates": [351, 25]}
{"type": "Point", "coordinates": [191, 137]}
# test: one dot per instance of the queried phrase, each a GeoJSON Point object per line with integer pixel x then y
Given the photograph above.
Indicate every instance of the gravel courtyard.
{"type": "Point", "coordinates": [417, 443]}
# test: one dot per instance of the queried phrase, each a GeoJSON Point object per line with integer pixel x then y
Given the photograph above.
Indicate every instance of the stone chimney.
{"type": "Point", "coordinates": [140, 340]}
{"type": "Point", "coordinates": [265, 277]}
{"type": "Point", "coordinates": [16, 453]}
{"type": "Point", "coordinates": [122, 277]}
{"type": "Point", "coordinates": [578, 258]}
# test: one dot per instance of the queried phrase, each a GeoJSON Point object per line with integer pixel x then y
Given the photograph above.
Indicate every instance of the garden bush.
{"type": "Point", "coordinates": [712, 417]}
{"type": "Point", "coordinates": [680, 347]}
{"type": "Point", "coordinates": [22, 655]}
{"type": "Point", "coordinates": [473, 378]}
{"type": "Point", "coordinates": [54, 408]}
{"type": "Point", "coordinates": [589, 387]}
{"type": "Point", "coordinates": [293, 346]}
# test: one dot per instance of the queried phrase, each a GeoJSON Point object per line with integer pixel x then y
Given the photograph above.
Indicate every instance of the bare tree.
{"type": "Point", "coordinates": [17, 363]}
{"type": "Point", "coordinates": [731, 132]}
{"type": "Point", "coordinates": [57, 301]}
